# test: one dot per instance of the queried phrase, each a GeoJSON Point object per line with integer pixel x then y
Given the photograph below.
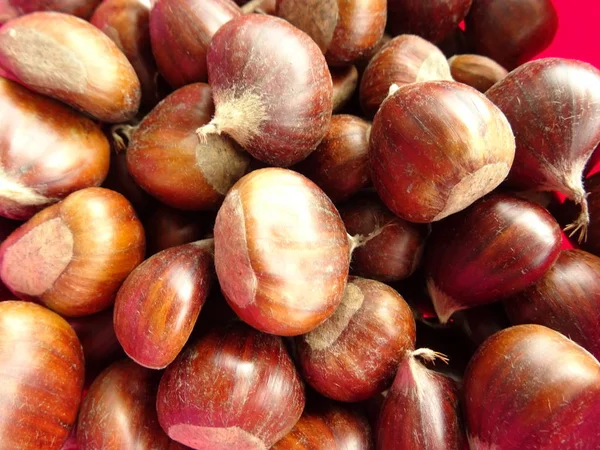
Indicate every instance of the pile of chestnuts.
{"type": "Point", "coordinates": [296, 224]}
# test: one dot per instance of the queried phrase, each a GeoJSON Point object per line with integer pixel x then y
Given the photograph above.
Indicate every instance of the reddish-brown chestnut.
{"type": "Point", "coordinates": [233, 388]}
{"type": "Point", "coordinates": [421, 410]}
{"type": "Point", "coordinates": [340, 164]}
{"type": "Point", "coordinates": [431, 19]}
{"type": "Point", "coordinates": [281, 252]}
{"type": "Point", "coordinates": [528, 388]}
{"type": "Point", "coordinates": [329, 426]}
{"type": "Point", "coordinates": [272, 89]}
{"type": "Point", "coordinates": [345, 81]}
{"type": "Point", "coordinates": [344, 30]}
{"type": "Point", "coordinates": [181, 31]}
{"type": "Point", "coordinates": [119, 411]}
{"type": "Point", "coordinates": [127, 23]}
{"type": "Point", "coordinates": [74, 255]}
{"type": "Point", "coordinates": [41, 377]}
{"type": "Point", "coordinates": [436, 147]}
{"type": "Point", "coordinates": [355, 353]}
{"type": "Point", "coordinates": [494, 249]}
{"type": "Point", "coordinates": [403, 60]}
{"type": "Point", "coordinates": [477, 71]}
{"type": "Point", "coordinates": [47, 151]}
{"type": "Point", "coordinates": [386, 248]}
{"type": "Point", "coordinates": [157, 306]}
{"type": "Point", "coordinates": [69, 59]}
{"type": "Point", "coordinates": [551, 153]}
{"type": "Point", "coordinates": [511, 32]}
{"type": "Point", "coordinates": [566, 299]}
{"type": "Point", "coordinates": [166, 158]}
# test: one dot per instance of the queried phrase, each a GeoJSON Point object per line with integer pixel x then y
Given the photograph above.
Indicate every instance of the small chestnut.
{"type": "Point", "coordinates": [477, 71]}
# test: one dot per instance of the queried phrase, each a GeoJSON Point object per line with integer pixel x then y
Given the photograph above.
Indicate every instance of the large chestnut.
{"type": "Point", "coordinates": [157, 306]}
{"type": "Point", "coordinates": [566, 299]}
{"type": "Point", "coordinates": [166, 158]}
{"type": "Point", "coordinates": [275, 234]}
{"type": "Point", "coordinates": [329, 426]}
{"type": "Point", "coordinates": [354, 354]}
{"type": "Point", "coordinates": [233, 388]}
{"type": "Point", "coordinates": [492, 250]}
{"type": "Point", "coordinates": [421, 410]}
{"type": "Point", "coordinates": [119, 411]}
{"type": "Point", "coordinates": [528, 388]}
{"type": "Point", "coordinates": [511, 32]}
{"type": "Point", "coordinates": [386, 248]}
{"type": "Point", "coordinates": [340, 164]}
{"type": "Point", "coordinates": [477, 71]}
{"type": "Point", "coordinates": [345, 30]}
{"type": "Point", "coordinates": [551, 154]}
{"type": "Point", "coordinates": [74, 255]}
{"type": "Point", "coordinates": [66, 58]}
{"type": "Point", "coordinates": [271, 87]}
{"type": "Point", "coordinates": [41, 377]}
{"type": "Point", "coordinates": [47, 151]}
{"type": "Point", "coordinates": [404, 60]}
{"type": "Point", "coordinates": [436, 147]}
{"type": "Point", "coordinates": [127, 23]}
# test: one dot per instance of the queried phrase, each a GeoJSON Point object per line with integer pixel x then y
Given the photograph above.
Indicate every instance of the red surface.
{"type": "Point", "coordinates": [578, 31]}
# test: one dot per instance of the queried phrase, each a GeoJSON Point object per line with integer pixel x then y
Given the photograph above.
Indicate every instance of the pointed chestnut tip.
{"type": "Point", "coordinates": [443, 304]}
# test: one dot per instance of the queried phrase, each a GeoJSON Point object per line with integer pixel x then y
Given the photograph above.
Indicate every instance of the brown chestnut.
{"type": "Point", "coordinates": [166, 158]}
{"type": "Point", "coordinates": [354, 354]}
{"type": "Point", "coordinates": [511, 32]}
{"type": "Point", "coordinates": [345, 82]}
{"type": "Point", "coordinates": [403, 60]}
{"type": "Point", "coordinates": [157, 306]}
{"type": "Point", "coordinates": [477, 71]}
{"type": "Point", "coordinates": [275, 234]}
{"type": "Point", "coordinates": [233, 388]}
{"type": "Point", "coordinates": [119, 411]}
{"type": "Point", "coordinates": [47, 151]}
{"type": "Point", "coordinates": [180, 32]}
{"type": "Point", "coordinates": [431, 19]}
{"type": "Point", "coordinates": [345, 30]}
{"type": "Point", "coordinates": [74, 255]}
{"type": "Point", "coordinates": [41, 377]}
{"type": "Point", "coordinates": [436, 147]}
{"type": "Point", "coordinates": [340, 164]}
{"type": "Point", "coordinates": [529, 387]}
{"type": "Point", "coordinates": [69, 59]}
{"type": "Point", "coordinates": [386, 248]}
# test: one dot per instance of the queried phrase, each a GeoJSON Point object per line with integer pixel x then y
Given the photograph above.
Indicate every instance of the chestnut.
{"type": "Point", "coordinates": [47, 151]}
{"type": "Point", "coordinates": [340, 163]}
{"type": "Point", "coordinates": [41, 377]}
{"type": "Point", "coordinates": [492, 250]}
{"type": "Point", "coordinates": [127, 23]}
{"type": "Point", "coordinates": [74, 255]}
{"type": "Point", "coordinates": [329, 426]}
{"type": "Point", "coordinates": [551, 154]}
{"type": "Point", "coordinates": [477, 71]}
{"type": "Point", "coordinates": [354, 354]}
{"type": "Point", "coordinates": [119, 411]}
{"type": "Point", "coordinates": [566, 299]}
{"type": "Point", "coordinates": [233, 388]}
{"type": "Point", "coordinates": [450, 144]}
{"type": "Point", "coordinates": [345, 81]}
{"type": "Point", "coordinates": [433, 20]}
{"type": "Point", "coordinates": [511, 32]}
{"type": "Point", "coordinates": [529, 387]}
{"type": "Point", "coordinates": [421, 409]}
{"type": "Point", "coordinates": [180, 32]}
{"type": "Point", "coordinates": [272, 89]}
{"type": "Point", "coordinates": [168, 161]}
{"type": "Point", "coordinates": [345, 30]}
{"type": "Point", "coordinates": [66, 58]}
{"type": "Point", "coordinates": [403, 60]}
{"type": "Point", "coordinates": [157, 306]}
{"type": "Point", "coordinates": [79, 8]}
{"type": "Point", "coordinates": [275, 234]}
{"type": "Point", "coordinates": [386, 248]}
